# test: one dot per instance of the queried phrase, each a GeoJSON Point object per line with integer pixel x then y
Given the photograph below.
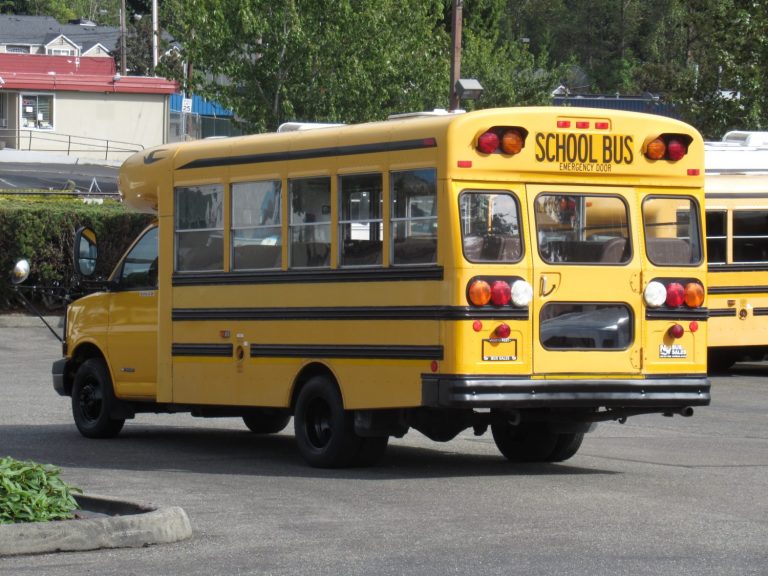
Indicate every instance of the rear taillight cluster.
{"type": "Point", "coordinates": [502, 140]}
{"type": "Point", "coordinates": [667, 147]}
{"type": "Point", "coordinates": [485, 291]}
{"type": "Point", "coordinates": [675, 294]}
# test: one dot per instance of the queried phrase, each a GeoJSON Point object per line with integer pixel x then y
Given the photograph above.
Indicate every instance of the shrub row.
{"type": "Point", "coordinates": [42, 231]}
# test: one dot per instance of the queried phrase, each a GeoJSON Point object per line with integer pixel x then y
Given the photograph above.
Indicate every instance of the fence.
{"type": "Point", "coordinates": [41, 141]}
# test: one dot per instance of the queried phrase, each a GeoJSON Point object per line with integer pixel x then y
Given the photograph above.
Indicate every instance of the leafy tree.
{"type": "Point", "coordinates": [495, 55]}
{"type": "Point", "coordinates": [346, 60]}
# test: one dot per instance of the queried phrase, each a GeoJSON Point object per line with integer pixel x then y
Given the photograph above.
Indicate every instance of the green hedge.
{"type": "Point", "coordinates": [42, 231]}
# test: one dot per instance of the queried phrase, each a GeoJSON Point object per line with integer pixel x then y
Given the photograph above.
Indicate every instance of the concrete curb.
{"type": "Point", "coordinates": [126, 525]}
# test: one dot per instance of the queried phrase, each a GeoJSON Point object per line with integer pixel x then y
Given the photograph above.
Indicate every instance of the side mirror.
{"type": "Point", "coordinates": [85, 252]}
{"type": "Point", "coordinates": [20, 272]}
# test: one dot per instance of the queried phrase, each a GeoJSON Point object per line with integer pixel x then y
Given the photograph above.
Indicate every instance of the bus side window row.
{"type": "Point", "coordinates": [256, 222]}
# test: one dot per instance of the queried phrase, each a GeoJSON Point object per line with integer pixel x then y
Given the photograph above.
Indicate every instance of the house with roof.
{"type": "Point", "coordinates": [60, 92]}
{"type": "Point", "coordinates": [45, 35]}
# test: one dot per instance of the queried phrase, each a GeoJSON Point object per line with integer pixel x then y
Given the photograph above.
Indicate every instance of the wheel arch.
{"type": "Point", "coordinates": [83, 352]}
{"type": "Point", "coordinates": [308, 372]}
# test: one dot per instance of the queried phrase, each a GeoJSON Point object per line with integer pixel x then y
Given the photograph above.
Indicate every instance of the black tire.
{"type": "Point", "coordinates": [566, 446]}
{"type": "Point", "coordinates": [720, 360]}
{"type": "Point", "coordinates": [371, 451]}
{"type": "Point", "coordinates": [526, 442]}
{"type": "Point", "coordinates": [325, 432]}
{"type": "Point", "coordinates": [92, 399]}
{"type": "Point", "coordinates": [267, 421]}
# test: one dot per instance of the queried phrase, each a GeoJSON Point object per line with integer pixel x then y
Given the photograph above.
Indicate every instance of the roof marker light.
{"type": "Point", "coordinates": [563, 123]}
{"type": "Point", "coordinates": [582, 124]}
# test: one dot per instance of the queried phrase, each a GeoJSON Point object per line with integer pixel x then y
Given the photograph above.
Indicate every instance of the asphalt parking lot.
{"type": "Point", "coordinates": [654, 496]}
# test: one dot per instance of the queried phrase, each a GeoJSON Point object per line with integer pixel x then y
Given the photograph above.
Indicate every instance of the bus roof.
{"type": "Point", "coordinates": [142, 174]}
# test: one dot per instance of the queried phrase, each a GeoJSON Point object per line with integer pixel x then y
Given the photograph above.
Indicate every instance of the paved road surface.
{"type": "Point", "coordinates": [655, 496]}
{"type": "Point", "coordinates": [45, 176]}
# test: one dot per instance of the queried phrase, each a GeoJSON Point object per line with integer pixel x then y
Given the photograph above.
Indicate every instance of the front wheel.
{"type": "Point", "coordinates": [92, 398]}
{"type": "Point", "coordinates": [325, 432]}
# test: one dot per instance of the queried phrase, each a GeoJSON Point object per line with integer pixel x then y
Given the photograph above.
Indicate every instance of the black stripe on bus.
{"type": "Point", "coordinates": [722, 312]}
{"type": "Point", "coordinates": [309, 154]}
{"type": "Point", "coordinates": [392, 274]}
{"type": "Point", "coordinates": [212, 350]}
{"type": "Point", "coordinates": [700, 314]}
{"type": "Point", "coordinates": [350, 313]}
{"type": "Point", "coordinates": [755, 267]}
{"type": "Point", "coordinates": [737, 289]}
{"type": "Point", "coordinates": [352, 351]}
{"type": "Point", "coordinates": [759, 311]}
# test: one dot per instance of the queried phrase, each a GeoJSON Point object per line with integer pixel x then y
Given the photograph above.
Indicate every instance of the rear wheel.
{"type": "Point", "coordinates": [526, 442]}
{"type": "Point", "coordinates": [534, 442]}
{"type": "Point", "coordinates": [92, 400]}
{"type": "Point", "coordinates": [566, 446]}
{"type": "Point", "coordinates": [371, 451]}
{"type": "Point", "coordinates": [266, 421]}
{"type": "Point", "coordinates": [325, 432]}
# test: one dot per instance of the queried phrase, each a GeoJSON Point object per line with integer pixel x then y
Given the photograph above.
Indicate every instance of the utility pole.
{"type": "Point", "coordinates": [155, 36]}
{"type": "Point", "coordinates": [458, 7]}
{"type": "Point", "coordinates": [122, 38]}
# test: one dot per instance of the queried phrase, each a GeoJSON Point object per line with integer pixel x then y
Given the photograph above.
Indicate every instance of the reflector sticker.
{"type": "Point", "coordinates": [673, 351]}
{"type": "Point", "coordinates": [499, 350]}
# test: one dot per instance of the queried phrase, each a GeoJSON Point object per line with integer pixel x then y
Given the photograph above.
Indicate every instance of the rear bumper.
{"type": "Point", "coordinates": [468, 391]}
{"type": "Point", "coordinates": [58, 370]}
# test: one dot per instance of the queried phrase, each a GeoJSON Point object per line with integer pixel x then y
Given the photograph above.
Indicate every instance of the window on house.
{"type": "Point", "coordinates": [37, 111]}
{"type": "Point", "coordinates": [199, 227]}
{"type": "Point", "coordinates": [11, 49]}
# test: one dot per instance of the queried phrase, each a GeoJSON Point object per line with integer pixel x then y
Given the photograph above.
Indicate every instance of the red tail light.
{"type": "Point", "coordinates": [488, 142]}
{"type": "Point", "coordinates": [676, 331]}
{"type": "Point", "coordinates": [675, 295]}
{"type": "Point", "coordinates": [501, 293]}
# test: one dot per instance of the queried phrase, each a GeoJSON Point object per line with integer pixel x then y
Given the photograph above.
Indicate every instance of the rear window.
{"type": "Point", "coordinates": [583, 229]}
{"type": "Point", "coordinates": [672, 235]}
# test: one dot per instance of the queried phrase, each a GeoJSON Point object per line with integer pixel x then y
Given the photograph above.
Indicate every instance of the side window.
{"type": "Point", "coordinates": [256, 230]}
{"type": "Point", "coordinates": [360, 223]}
{"type": "Point", "coordinates": [310, 222]}
{"type": "Point", "coordinates": [580, 229]}
{"type": "Point", "coordinates": [199, 228]}
{"type": "Point", "coordinates": [750, 236]}
{"type": "Point", "coordinates": [717, 238]}
{"type": "Point", "coordinates": [139, 269]}
{"type": "Point", "coordinates": [414, 217]}
{"type": "Point", "coordinates": [490, 226]}
{"type": "Point", "coordinates": [672, 236]}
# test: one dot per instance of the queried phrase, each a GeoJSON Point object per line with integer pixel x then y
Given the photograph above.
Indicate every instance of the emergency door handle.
{"type": "Point", "coordinates": [543, 287]}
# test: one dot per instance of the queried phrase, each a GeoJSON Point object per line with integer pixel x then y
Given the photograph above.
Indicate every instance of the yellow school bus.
{"type": "Point", "coordinates": [736, 187]}
{"type": "Point", "coordinates": [528, 270]}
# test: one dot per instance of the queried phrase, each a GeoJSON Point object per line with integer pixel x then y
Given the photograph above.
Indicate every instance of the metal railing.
{"type": "Point", "coordinates": [43, 141]}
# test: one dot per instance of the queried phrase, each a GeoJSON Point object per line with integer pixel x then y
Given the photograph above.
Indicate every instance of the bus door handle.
{"type": "Point", "coordinates": [543, 286]}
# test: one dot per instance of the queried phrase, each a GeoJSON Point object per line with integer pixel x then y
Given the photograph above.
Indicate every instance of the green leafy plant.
{"type": "Point", "coordinates": [31, 492]}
